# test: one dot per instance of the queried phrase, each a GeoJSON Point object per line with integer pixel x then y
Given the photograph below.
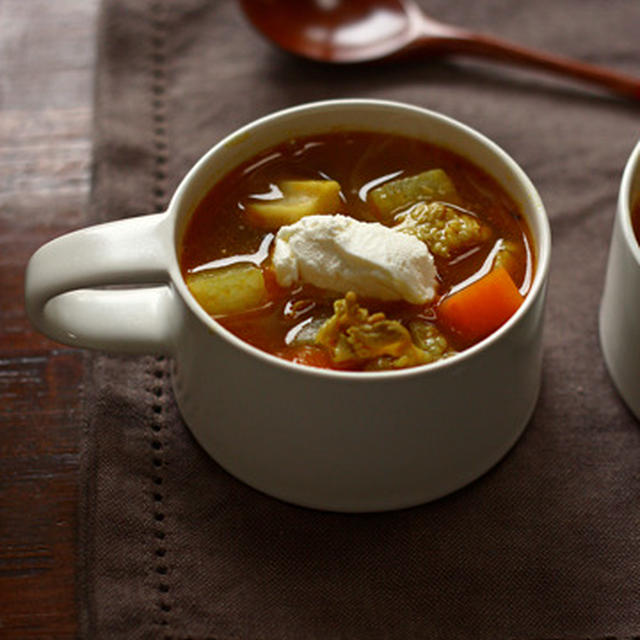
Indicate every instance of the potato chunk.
{"type": "Point", "coordinates": [299, 198]}
{"type": "Point", "coordinates": [233, 289]}
{"type": "Point", "coordinates": [507, 256]}
{"type": "Point", "coordinates": [396, 195]}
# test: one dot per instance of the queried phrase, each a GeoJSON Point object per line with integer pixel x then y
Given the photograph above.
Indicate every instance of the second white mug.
{"type": "Point", "coordinates": [620, 307]}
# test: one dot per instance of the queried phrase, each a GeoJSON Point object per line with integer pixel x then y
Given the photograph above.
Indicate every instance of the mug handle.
{"type": "Point", "coordinates": [62, 303]}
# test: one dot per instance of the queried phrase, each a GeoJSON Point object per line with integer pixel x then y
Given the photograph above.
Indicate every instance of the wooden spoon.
{"type": "Point", "coordinates": [351, 31]}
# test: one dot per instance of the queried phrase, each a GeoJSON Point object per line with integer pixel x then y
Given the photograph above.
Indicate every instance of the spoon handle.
{"type": "Point", "coordinates": [500, 50]}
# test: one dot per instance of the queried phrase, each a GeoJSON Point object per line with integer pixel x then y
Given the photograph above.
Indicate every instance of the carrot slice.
{"type": "Point", "coordinates": [309, 355]}
{"type": "Point", "coordinates": [486, 304]}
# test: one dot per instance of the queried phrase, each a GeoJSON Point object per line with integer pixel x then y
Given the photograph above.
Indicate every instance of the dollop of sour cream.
{"type": "Point", "coordinates": [342, 254]}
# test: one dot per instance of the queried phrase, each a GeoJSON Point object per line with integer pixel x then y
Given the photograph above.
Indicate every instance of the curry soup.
{"type": "Point", "coordinates": [635, 220]}
{"type": "Point", "coordinates": [477, 241]}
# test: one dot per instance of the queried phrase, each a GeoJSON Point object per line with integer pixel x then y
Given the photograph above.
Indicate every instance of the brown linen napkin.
{"type": "Point", "coordinates": [545, 545]}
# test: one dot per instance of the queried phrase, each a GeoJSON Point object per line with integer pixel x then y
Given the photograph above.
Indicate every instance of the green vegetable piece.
{"type": "Point", "coordinates": [352, 334]}
{"type": "Point", "coordinates": [395, 195]}
{"type": "Point", "coordinates": [308, 331]}
{"type": "Point", "coordinates": [233, 289]}
{"type": "Point", "coordinates": [427, 337]}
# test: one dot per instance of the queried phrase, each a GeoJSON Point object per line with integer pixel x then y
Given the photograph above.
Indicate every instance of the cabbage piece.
{"type": "Point", "coordinates": [395, 195]}
{"type": "Point", "coordinates": [300, 198]}
{"type": "Point", "coordinates": [428, 337]}
{"type": "Point", "coordinates": [233, 289]}
{"type": "Point", "coordinates": [353, 335]}
{"type": "Point", "coordinates": [306, 332]}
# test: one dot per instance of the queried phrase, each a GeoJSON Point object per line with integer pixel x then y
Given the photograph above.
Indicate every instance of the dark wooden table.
{"type": "Point", "coordinates": [46, 74]}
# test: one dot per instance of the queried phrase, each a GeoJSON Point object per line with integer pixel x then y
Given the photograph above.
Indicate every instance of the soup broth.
{"type": "Point", "coordinates": [478, 242]}
{"type": "Point", "coordinates": [635, 220]}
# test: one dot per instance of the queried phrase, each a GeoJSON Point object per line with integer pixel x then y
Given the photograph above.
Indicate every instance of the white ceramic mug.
{"type": "Point", "coordinates": [620, 307]}
{"type": "Point", "coordinates": [346, 441]}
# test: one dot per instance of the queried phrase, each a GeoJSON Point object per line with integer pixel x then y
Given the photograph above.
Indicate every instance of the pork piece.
{"type": "Point", "coordinates": [445, 230]}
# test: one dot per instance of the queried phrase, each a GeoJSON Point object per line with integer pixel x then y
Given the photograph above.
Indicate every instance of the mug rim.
{"type": "Point", "coordinates": [542, 243]}
{"type": "Point", "coordinates": [625, 206]}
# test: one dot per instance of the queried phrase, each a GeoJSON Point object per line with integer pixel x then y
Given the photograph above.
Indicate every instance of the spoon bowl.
{"type": "Point", "coordinates": [357, 31]}
{"type": "Point", "coordinates": [336, 31]}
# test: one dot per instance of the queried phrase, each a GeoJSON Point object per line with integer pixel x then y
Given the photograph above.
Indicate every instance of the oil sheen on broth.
{"type": "Point", "coordinates": [447, 211]}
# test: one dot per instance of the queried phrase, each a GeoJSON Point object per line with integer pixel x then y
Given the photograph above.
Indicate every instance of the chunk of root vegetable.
{"type": "Point", "coordinates": [428, 186]}
{"type": "Point", "coordinates": [300, 198]}
{"type": "Point", "coordinates": [233, 289]}
{"type": "Point", "coordinates": [486, 304]}
{"type": "Point", "coordinates": [507, 256]}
